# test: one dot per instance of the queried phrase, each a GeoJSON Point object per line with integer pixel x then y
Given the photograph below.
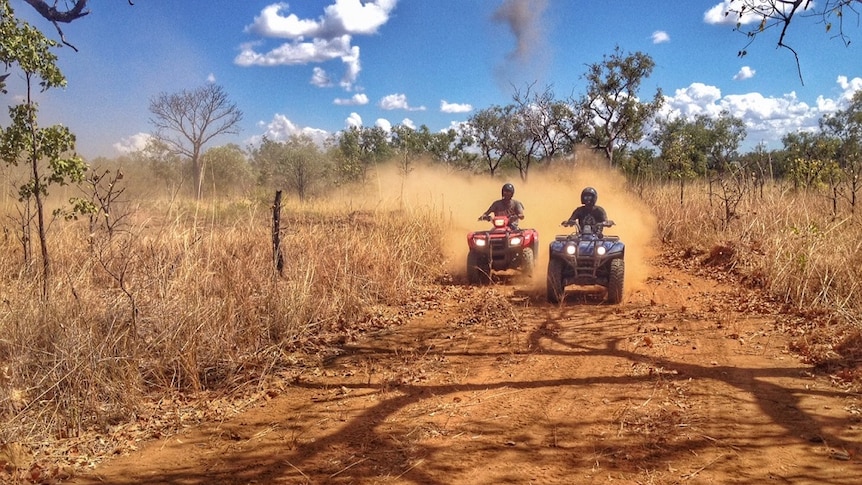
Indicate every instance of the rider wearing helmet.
{"type": "Point", "coordinates": [507, 206]}
{"type": "Point", "coordinates": [589, 213]}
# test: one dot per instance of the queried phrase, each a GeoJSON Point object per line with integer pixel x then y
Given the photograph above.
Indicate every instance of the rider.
{"type": "Point", "coordinates": [589, 213]}
{"type": "Point", "coordinates": [507, 206]}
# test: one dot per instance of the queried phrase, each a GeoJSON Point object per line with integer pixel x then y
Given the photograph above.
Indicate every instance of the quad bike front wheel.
{"type": "Point", "coordinates": [529, 264]}
{"type": "Point", "coordinates": [615, 281]}
{"type": "Point", "coordinates": [556, 289]}
{"type": "Point", "coordinates": [478, 269]}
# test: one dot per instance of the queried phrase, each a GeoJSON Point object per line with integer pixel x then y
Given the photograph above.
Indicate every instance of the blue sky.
{"type": "Point", "coordinates": [316, 67]}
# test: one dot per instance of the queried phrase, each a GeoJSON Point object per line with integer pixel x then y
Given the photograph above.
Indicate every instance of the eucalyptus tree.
{"type": "Point", "coordinates": [611, 115]}
{"type": "Point", "coordinates": [188, 120]}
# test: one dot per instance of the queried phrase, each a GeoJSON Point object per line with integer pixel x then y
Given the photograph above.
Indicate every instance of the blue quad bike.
{"type": "Point", "coordinates": [586, 258]}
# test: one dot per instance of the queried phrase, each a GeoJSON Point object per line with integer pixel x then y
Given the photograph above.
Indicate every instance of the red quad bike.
{"type": "Point", "coordinates": [500, 248]}
{"type": "Point", "coordinates": [586, 258]}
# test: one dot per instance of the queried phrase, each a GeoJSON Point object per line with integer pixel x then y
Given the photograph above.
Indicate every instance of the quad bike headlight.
{"type": "Point", "coordinates": [515, 241]}
{"type": "Point", "coordinates": [601, 250]}
{"type": "Point", "coordinates": [480, 241]}
{"type": "Point", "coordinates": [571, 249]}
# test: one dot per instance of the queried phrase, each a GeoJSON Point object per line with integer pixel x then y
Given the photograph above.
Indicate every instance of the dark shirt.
{"type": "Point", "coordinates": [588, 216]}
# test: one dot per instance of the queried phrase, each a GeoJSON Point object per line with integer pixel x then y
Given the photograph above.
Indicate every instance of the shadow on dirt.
{"type": "Point", "coordinates": [384, 417]}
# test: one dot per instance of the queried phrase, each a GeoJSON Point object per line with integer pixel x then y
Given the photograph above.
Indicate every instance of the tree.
{"type": "Point", "coordinates": [611, 115]}
{"type": "Point", "coordinates": [778, 14]}
{"type": "Point", "coordinates": [49, 151]}
{"type": "Point", "coordinates": [229, 170]}
{"type": "Point", "coordinates": [846, 127]}
{"type": "Point", "coordinates": [296, 164]}
{"type": "Point", "coordinates": [484, 130]}
{"type": "Point", "coordinates": [357, 148]}
{"type": "Point", "coordinates": [187, 120]}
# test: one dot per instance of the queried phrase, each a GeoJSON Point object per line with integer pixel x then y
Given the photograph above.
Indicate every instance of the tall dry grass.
{"type": "Point", "coordinates": [785, 241]}
{"type": "Point", "coordinates": [187, 298]}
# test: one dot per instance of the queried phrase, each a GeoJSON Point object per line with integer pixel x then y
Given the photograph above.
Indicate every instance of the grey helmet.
{"type": "Point", "coordinates": [589, 196]}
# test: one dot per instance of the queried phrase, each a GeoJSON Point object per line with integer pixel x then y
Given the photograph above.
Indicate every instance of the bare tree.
{"type": "Point", "coordinates": [186, 121]}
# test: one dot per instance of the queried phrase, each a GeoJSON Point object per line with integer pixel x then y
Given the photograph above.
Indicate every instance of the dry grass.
{"type": "Point", "coordinates": [187, 298]}
{"type": "Point", "coordinates": [787, 243]}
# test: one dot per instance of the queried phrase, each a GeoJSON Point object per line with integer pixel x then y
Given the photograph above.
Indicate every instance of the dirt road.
{"type": "Point", "coordinates": [688, 381]}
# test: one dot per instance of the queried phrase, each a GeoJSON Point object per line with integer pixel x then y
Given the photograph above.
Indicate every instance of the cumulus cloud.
{"type": "Point", "coordinates": [134, 143]}
{"type": "Point", "coordinates": [660, 37]}
{"type": "Point", "coordinates": [280, 128]}
{"type": "Point", "coordinates": [211, 78]}
{"type": "Point", "coordinates": [721, 13]}
{"type": "Point", "coordinates": [746, 72]}
{"type": "Point", "coordinates": [354, 120]}
{"type": "Point", "coordinates": [384, 124]}
{"type": "Point", "coordinates": [447, 107]}
{"type": "Point", "coordinates": [355, 100]}
{"type": "Point", "coordinates": [409, 123]}
{"type": "Point", "coordinates": [317, 40]}
{"type": "Point", "coordinates": [767, 118]}
{"type": "Point", "coordinates": [397, 101]}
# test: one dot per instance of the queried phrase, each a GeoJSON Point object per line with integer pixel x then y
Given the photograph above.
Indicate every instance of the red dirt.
{"type": "Point", "coordinates": [688, 381]}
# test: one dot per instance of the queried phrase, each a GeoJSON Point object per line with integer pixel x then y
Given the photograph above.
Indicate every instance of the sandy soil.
{"type": "Point", "coordinates": [688, 381]}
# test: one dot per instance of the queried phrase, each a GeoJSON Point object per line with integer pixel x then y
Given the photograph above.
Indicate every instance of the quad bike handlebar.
{"type": "Point", "coordinates": [573, 223]}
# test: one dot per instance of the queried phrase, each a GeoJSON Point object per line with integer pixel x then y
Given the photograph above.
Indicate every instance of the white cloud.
{"type": "Point", "coordinates": [767, 118]}
{"type": "Point", "coordinates": [397, 101]}
{"type": "Point", "coordinates": [353, 120]}
{"type": "Point", "coordinates": [746, 72]}
{"type": "Point", "coordinates": [721, 14]}
{"type": "Point", "coordinates": [211, 78]}
{"type": "Point", "coordinates": [408, 123]}
{"type": "Point", "coordinates": [330, 36]}
{"type": "Point", "coordinates": [660, 37]}
{"type": "Point", "coordinates": [447, 107]}
{"type": "Point", "coordinates": [280, 128]}
{"type": "Point", "coordinates": [384, 124]}
{"type": "Point", "coordinates": [356, 99]}
{"type": "Point", "coordinates": [343, 17]}
{"type": "Point", "coordinates": [134, 143]}
{"type": "Point", "coordinates": [319, 78]}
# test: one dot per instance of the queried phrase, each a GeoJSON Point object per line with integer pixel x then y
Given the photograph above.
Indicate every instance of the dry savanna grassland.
{"type": "Point", "coordinates": [178, 313]}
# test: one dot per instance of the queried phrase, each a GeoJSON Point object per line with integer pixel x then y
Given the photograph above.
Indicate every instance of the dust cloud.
{"type": "Point", "coordinates": [549, 196]}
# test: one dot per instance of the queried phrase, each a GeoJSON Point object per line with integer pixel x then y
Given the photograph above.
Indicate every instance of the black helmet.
{"type": "Point", "coordinates": [589, 196]}
{"type": "Point", "coordinates": [508, 188]}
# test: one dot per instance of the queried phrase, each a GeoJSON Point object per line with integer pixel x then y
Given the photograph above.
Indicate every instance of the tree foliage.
{"type": "Point", "coordinates": [611, 113]}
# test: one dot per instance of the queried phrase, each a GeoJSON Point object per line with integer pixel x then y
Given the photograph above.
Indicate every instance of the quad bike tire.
{"type": "Point", "coordinates": [615, 281]}
{"type": "Point", "coordinates": [478, 269]}
{"type": "Point", "coordinates": [555, 289]}
{"type": "Point", "coordinates": [529, 264]}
